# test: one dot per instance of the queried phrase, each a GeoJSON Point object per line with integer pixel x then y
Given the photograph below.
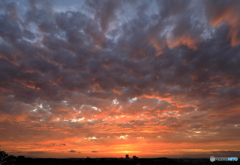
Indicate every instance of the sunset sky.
{"type": "Point", "coordinates": [106, 78]}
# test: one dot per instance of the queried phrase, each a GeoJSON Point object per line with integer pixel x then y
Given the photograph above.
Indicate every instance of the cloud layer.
{"type": "Point", "coordinates": [146, 77]}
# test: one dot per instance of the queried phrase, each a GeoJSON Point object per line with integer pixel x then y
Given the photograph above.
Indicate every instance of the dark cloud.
{"type": "Point", "coordinates": [17, 151]}
{"type": "Point", "coordinates": [36, 152]}
{"type": "Point", "coordinates": [227, 153]}
{"type": "Point", "coordinates": [73, 151]}
{"type": "Point", "coordinates": [169, 68]}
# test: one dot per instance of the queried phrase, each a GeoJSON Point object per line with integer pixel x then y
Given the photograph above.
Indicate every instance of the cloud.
{"type": "Point", "coordinates": [95, 151]}
{"type": "Point", "coordinates": [15, 151]}
{"type": "Point", "coordinates": [226, 153]}
{"type": "Point", "coordinates": [165, 71]}
{"type": "Point", "coordinates": [72, 151]}
{"type": "Point", "coordinates": [36, 152]}
{"type": "Point", "coordinates": [225, 12]}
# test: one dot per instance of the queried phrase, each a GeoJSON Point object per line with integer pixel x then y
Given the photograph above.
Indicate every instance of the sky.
{"type": "Point", "coordinates": [103, 78]}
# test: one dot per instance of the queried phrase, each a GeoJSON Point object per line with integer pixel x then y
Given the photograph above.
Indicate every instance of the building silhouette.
{"type": "Point", "coordinates": [135, 157]}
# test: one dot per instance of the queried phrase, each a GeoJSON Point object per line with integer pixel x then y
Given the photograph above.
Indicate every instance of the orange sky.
{"type": "Point", "coordinates": [106, 79]}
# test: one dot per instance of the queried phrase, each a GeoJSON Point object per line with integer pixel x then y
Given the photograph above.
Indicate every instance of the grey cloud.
{"type": "Point", "coordinates": [226, 153]}
{"type": "Point", "coordinates": [73, 151]}
{"type": "Point", "coordinates": [36, 152]}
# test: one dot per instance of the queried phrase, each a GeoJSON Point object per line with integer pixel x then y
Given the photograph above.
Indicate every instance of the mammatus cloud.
{"type": "Point", "coordinates": [145, 77]}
